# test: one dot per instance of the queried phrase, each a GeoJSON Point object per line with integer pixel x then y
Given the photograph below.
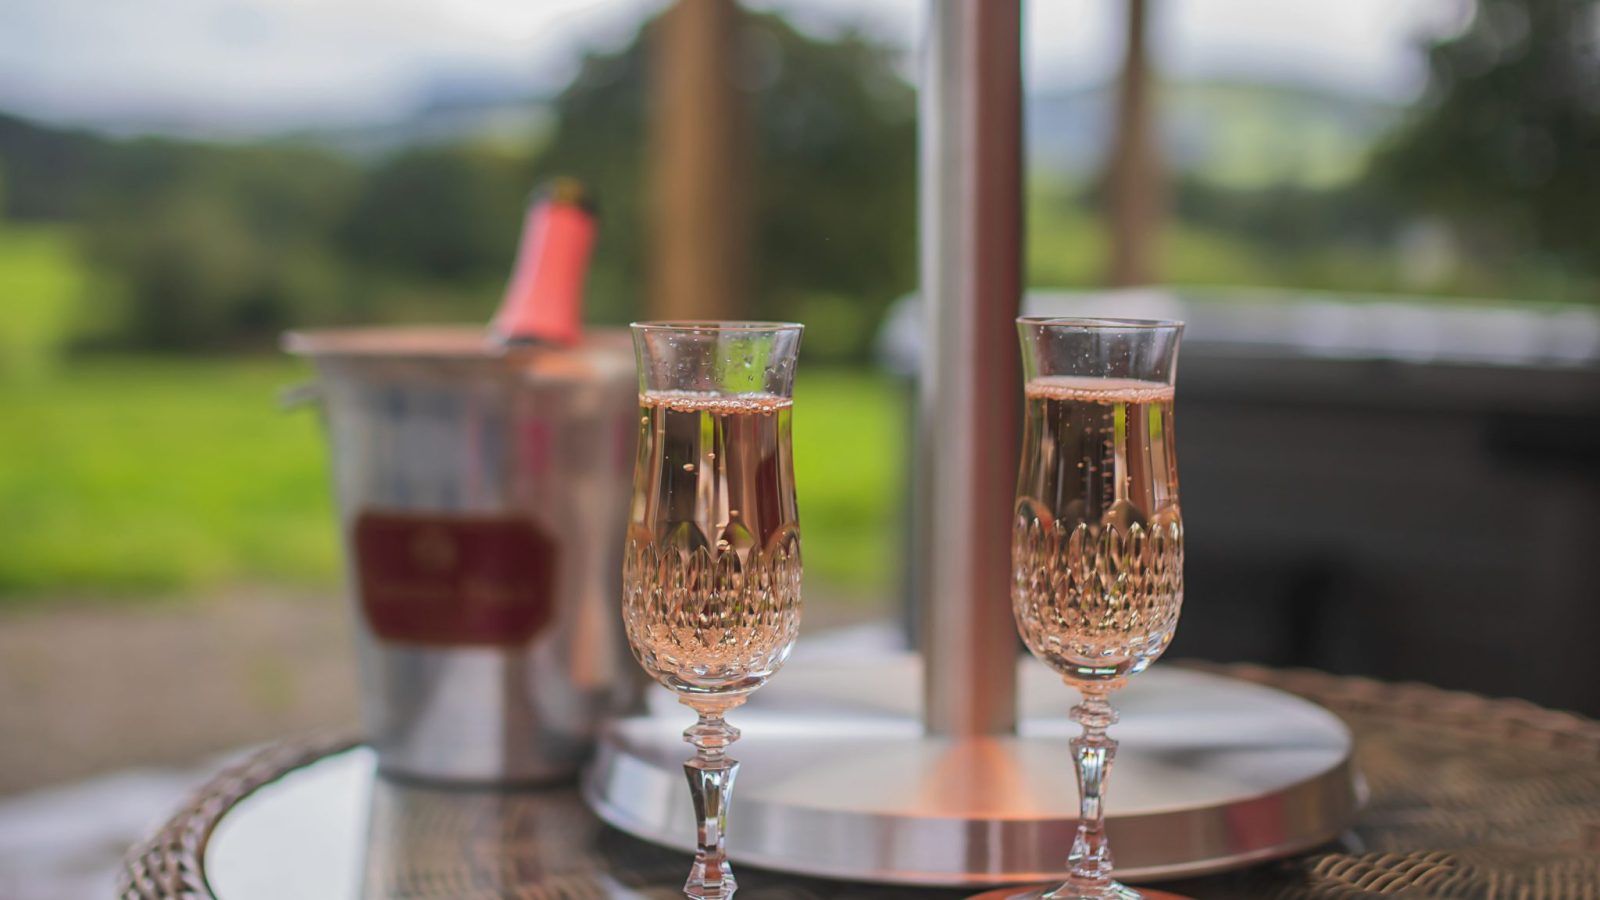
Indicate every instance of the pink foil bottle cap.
{"type": "Point", "coordinates": [543, 302]}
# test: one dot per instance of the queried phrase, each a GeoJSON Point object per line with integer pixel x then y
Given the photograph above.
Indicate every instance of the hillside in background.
{"type": "Point", "coordinates": [1233, 134]}
{"type": "Point", "coordinates": [201, 246]}
{"type": "Point", "coordinates": [186, 245]}
{"type": "Point", "coordinates": [451, 111]}
{"type": "Point", "coordinates": [47, 173]}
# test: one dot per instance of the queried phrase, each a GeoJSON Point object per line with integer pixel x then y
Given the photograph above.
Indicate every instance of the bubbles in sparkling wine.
{"type": "Point", "coordinates": [712, 567]}
{"type": "Point", "coordinates": [1097, 547]}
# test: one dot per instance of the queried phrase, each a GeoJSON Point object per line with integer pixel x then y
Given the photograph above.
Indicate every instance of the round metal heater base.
{"type": "Point", "coordinates": [838, 780]}
{"type": "Point", "coordinates": [1016, 893]}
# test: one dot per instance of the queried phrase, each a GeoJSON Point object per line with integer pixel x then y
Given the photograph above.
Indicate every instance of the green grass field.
{"type": "Point", "coordinates": [42, 284]}
{"type": "Point", "coordinates": [135, 478]}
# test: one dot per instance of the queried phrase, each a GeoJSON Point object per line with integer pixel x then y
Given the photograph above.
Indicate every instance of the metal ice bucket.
{"type": "Point", "coordinates": [482, 496]}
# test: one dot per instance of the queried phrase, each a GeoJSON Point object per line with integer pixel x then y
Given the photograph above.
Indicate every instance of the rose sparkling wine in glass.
{"type": "Point", "coordinates": [1097, 540]}
{"type": "Point", "coordinates": [711, 574]}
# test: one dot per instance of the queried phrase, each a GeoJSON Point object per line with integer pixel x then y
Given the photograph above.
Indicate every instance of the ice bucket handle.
{"type": "Point", "coordinates": [294, 396]}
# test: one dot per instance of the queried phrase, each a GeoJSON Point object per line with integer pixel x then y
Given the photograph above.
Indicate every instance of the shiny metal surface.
{"type": "Point", "coordinates": [838, 779]}
{"type": "Point", "coordinates": [435, 425]}
{"type": "Point", "coordinates": [1037, 892]}
{"type": "Point", "coordinates": [968, 422]}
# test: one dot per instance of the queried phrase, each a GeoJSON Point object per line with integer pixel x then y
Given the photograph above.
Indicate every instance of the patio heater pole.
{"type": "Point", "coordinates": [838, 780]}
{"type": "Point", "coordinates": [971, 222]}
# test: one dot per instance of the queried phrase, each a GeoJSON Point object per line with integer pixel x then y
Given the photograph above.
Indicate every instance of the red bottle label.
{"type": "Point", "coordinates": [450, 580]}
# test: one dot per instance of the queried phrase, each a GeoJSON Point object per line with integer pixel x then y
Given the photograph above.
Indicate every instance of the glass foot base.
{"type": "Point", "coordinates": [704, 892]}
{"type": "Point", "coordinates": [696, 887]}
{"type": "Point", "coordinates": [1118, 892]}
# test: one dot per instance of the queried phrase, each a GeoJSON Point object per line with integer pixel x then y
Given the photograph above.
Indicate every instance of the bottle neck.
{"type": "Point", "coordinates": [543, 302]}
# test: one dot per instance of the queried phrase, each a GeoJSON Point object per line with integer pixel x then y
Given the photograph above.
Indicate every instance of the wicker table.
{"type": "Point", "coordinates": [1469, 798]}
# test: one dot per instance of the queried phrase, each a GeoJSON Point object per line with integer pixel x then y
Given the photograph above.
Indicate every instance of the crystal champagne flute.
{"type": "Point", "coordinates": [711, 574]}
{"type": "Point", "coordinates": [1097, 545]}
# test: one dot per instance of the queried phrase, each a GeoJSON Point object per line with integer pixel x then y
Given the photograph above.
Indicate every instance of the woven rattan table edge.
{"type": "Point", "coordinates": [170, 864]}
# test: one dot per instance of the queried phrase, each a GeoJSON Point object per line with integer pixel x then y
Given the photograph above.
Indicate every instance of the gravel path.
{"type": "Point", "coordinates": [110, 715]}
{"type": "Point", "coordinates": [90, 688]}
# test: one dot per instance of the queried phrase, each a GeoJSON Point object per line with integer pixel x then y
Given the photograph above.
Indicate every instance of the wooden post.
{"type": "Point", "coordinates": [1136, 189]}
{"type": "Point", "coordinates": [698, 180]}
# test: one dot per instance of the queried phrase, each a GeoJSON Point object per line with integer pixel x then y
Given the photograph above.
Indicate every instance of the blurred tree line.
{"type": "Point", "coordinates": [201, 247]}
{"type": "Point", "coordinates": [1502, 151]}
{"type": "Point", "coordinates": [1506, 142]}
{"type": "Point", "coordinates": [196, 247]}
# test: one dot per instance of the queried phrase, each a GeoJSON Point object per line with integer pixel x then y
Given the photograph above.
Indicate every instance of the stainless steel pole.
{"type": "Point", "coordinates": [971, 190]}
{"type": "Point", "coordinates": [855, 794]}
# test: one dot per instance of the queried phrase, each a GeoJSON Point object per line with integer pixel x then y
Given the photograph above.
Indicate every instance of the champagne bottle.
{"type": "Point", "coordinates": [543, 303]}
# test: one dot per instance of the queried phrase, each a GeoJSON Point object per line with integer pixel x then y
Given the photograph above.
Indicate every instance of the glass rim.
{"type": "Point", "coordinates": [1101, 323]}
{"type": "Point", "coordinates": [716, 326]}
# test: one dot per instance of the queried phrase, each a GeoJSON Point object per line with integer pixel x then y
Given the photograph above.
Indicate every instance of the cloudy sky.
{"type": "Point", "coordinates": [261, 65]}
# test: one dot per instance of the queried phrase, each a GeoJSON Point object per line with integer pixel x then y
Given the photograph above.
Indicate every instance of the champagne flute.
{"type": "Point", "coordinates": [711, 574]}
{"type": "Point", "coordinates": [1097, 545]}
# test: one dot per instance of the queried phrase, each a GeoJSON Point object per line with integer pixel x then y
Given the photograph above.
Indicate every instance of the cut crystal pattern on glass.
{"type": "Point", "coordinates": [1102, 595]}
{"type": "Point", "coordinates": [705, 620]}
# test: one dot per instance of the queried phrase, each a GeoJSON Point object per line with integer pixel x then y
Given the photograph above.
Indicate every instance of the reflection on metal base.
{"type": "Point", "coordinates": [839, 780]}
{"type": "Point", "coordinates": [1030, 893]}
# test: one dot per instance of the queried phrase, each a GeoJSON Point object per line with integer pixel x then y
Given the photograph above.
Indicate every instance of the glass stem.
{"type": "Point", "coordinates": [711, 774]}
{"type": "Point", "coordinates": [1092, 752]}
